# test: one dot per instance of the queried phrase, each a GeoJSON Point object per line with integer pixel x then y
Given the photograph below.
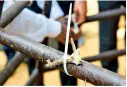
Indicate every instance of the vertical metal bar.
{"type": "Point", "coordinates": [33, 77]}
{"type": "Point", "coordinates": [11, 66]}
{"type": "Point", "coordinates": [1, 6]}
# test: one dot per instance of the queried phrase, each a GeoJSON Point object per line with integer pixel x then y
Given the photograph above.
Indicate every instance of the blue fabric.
{"type": "Point", "coordinates": [9, 52]}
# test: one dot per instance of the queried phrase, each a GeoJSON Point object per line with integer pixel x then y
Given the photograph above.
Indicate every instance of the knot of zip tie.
{"type": "Point", "coordinates": [76, 59]}
{"type": "Point", "coordinates": [76, 54]}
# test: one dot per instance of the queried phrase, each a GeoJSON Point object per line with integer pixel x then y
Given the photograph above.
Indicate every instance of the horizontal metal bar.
{"type": "Point", "coordinates": [11, 67]}
{"type": "Point", "coordinates": [88, 71]}
{"type": "Point", "coordinates": [106, 55]}
{"type": "Point", "coordinates": [107, 14]}
{"type": "Point", "coordinates": [104, 15]}
{"type": "Point", "coordinates": [12, 12]}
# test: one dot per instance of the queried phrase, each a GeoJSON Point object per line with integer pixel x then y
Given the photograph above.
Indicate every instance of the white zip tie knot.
{"type": "Point", "coordinates": [76, 54]}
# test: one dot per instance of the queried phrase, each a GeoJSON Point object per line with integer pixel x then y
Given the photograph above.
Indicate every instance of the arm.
{"type": "Point", "coordinates": [37, 27]}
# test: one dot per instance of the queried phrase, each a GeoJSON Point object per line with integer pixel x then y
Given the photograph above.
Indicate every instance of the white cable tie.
{"type": "Point", "coordinates": [76, 58]}
{"type": "Point", "coordinates": [67, 39]}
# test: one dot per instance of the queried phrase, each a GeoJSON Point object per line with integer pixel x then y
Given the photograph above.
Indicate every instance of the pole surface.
{"type": "Point", "coordinates": [106, 55]}
{"type": "Point", "coordinates": [19, 58]}
{"type": "Point", "coordinates": [12, 12]}
{"type": "Point", "coordinates": [88, 71]}
{"type": "Point", "coordinates": [107, 14]}
{"type": "Point", "coordinates": [33, 77]}
{"type": "Point", "coordinates": [11, 67]}
{"type": "Point", "coordinates": [104, 15]}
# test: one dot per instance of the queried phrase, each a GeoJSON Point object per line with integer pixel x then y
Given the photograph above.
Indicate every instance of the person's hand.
{"type": "Point", "coordinates": [62, 36]}
{"type": "Point", "coordinates": [80, 10]}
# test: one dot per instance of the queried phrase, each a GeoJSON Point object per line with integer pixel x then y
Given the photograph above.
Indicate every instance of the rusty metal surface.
{"type": "Point", "coordinates": [103, 56]}
{"type": "Point", "coordinates": [108, 55]}
{"type": "Point", "coordinates": [92, 73]}
{"type": "Point", "coordinates": [95, 75]}
{"type": "Point", "coordinates": [12, 12]}
{"type": "Point", "coordinates": [10, 68]}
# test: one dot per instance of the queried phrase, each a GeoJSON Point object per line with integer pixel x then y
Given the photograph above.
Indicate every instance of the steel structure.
{"type": "Point", "coordinates": [88, 71]}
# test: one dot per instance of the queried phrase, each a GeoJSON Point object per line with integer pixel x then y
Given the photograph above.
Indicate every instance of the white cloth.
{"type": "Point", "coordinates": [56, 11]}
{"type": "Point", "coordinates": [34, 26]}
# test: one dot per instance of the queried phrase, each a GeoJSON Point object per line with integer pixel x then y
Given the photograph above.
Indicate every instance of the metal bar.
{"type": "Point", "coordinates": [106, 55]}
{"type": "Point", "coordinates": [11, 66]}
{"type": "Point", "coordinates": [1, 6]}
{"type": "Point", "coordinates": [33, 77]}
{"type": "Point", "coordinates": [109, 14]}
{"type": "Point", "coordinates": [90, 72]}
{"type": "Point", "coordinates": [18, 59]}
{"type": "Point", "coordinates": [109, 55]}
{"type": "Point", "coordinates": [6, 18]}
{"type": "Point", "coordinates": [12, 12]}
{"type": "Point", "coordinates": [39, 79]}
{"type": "Point", "coordinates": [103, 56]}
{"type": "Point", "coordinates": [39, 65]}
